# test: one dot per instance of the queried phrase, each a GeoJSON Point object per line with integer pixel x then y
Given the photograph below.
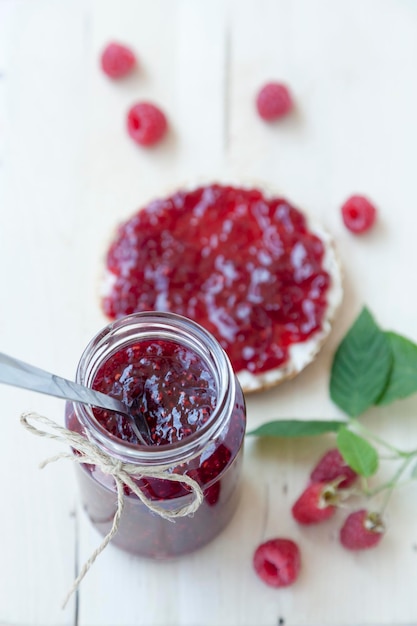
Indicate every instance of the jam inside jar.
{"type": "Point", "coordinates": [181, 381]}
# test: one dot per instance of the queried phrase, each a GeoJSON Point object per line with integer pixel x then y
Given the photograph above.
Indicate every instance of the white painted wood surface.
{"type": "Point", "coordinates": [69, 174]}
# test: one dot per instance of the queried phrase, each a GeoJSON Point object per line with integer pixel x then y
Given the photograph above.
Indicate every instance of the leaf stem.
{"type": "Point", "coordinates": [395, 481]}
{"type": "Point", "coordinates": [391, 484]}
{"type": "Point", "coordinates": [378, 440]}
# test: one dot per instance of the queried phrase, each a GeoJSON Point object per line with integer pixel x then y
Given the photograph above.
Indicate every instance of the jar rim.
{"type": "Point", "coordinates": [162, 325]}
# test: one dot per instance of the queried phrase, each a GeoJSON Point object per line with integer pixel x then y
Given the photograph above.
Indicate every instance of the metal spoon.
{"type": "Point", "coordinates": [20, 374]}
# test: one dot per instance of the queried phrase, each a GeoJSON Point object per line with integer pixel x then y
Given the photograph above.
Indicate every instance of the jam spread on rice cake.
{"type": "Point", "coordinates": [249, 267]}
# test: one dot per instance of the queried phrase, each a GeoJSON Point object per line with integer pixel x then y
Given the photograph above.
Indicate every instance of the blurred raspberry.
{"type": "Point", "coordinates": [278, 562]}
{"type": "Point", "coordinates": [331, 467]}
{"type": "Point", "coordinates": [117, 60]}
{"type": "Point", "coordinates": [362, 530]}
{"type": "Point", "coordinates": [315, 504]}
{"type": "Point", "coordinates": [274, 101]}
{"type": "Point", "coordinates": [146, 124]}
{"type": "Point", "coordinates": [358, 214]}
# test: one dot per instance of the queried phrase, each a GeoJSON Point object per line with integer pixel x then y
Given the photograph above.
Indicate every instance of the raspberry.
{"type": "Point", "coordinates": [361, 530]}
{"type": "Point", "coordinates": [117, 60]}
{"type": "Point", "coordinates": [331, 467]}
{"type": "Point", "coordinates": [277, 562]}
{"type": "Point", "coordinates": [146, 124]}
{"type": "Point", "coordinates": [159, 489]}
{"type": "Point", "coordinates": [215, 464]}
{"type": "Point", "coordinates": [358, 214]}
{"type": "Point", "coordinates": [274, 101]}
{"type": "Point", "coordinates": [212, 493]}
{"type": "Point", "coordinates": [315, 504]}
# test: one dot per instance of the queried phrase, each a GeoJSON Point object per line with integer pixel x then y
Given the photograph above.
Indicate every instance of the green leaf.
{"type": "Point", "coordinates": [296, 428]}
{"type": "Point", "coordinates": [357, 452]}
{"type": "Point", "coordinates": [403, 378]}
{"type": "Point", "coordinates": [361, 366]}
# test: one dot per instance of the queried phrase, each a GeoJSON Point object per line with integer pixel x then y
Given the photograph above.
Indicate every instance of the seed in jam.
{"type": "Point", "coordinates": [167, 383]}
{"type": "Point", "coordinates": [244, 266]}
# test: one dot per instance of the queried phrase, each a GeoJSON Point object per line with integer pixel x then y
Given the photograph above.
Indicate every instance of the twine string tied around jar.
{"type": "Point", "coordinates": [123, 474]}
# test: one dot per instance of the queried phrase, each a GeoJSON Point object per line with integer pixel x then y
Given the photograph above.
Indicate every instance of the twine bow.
{"type": "Point", "coordinates": [122, 473]}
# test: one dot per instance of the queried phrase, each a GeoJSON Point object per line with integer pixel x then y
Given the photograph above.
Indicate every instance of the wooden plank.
{"type": "Point", "coordinates": [337, 58]}
{"type": "Point", "coordinates": [181, 50]}
{"type": "Point", "coordinates": [42, 62]}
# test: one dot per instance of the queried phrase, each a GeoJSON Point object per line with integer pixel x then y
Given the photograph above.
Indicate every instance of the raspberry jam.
{"type": "Point", "coordinates": [168, 384]}
{"type": "Point", "coordinates": [180, 380]}
{"type": "Point", "coordinates": [244, 266]}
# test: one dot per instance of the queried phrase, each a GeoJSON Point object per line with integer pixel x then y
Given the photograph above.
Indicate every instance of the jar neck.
{"type": "Point", "coordinates": [171, 328]}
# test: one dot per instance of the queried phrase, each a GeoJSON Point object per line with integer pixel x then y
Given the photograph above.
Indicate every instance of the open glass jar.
{"type": "Point", "coordinates": [195, 409]}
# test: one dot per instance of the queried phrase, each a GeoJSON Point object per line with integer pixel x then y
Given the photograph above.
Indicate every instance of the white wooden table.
{"type": "Point", "coordinates": [69, 174]}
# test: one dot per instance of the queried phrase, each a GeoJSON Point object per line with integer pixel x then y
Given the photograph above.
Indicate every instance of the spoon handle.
{"type": "Point", "coordinates": [19, 374]}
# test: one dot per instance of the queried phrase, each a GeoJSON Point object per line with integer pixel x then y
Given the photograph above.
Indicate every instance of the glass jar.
{"type": "Point", "coordinates": [171, 357]}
